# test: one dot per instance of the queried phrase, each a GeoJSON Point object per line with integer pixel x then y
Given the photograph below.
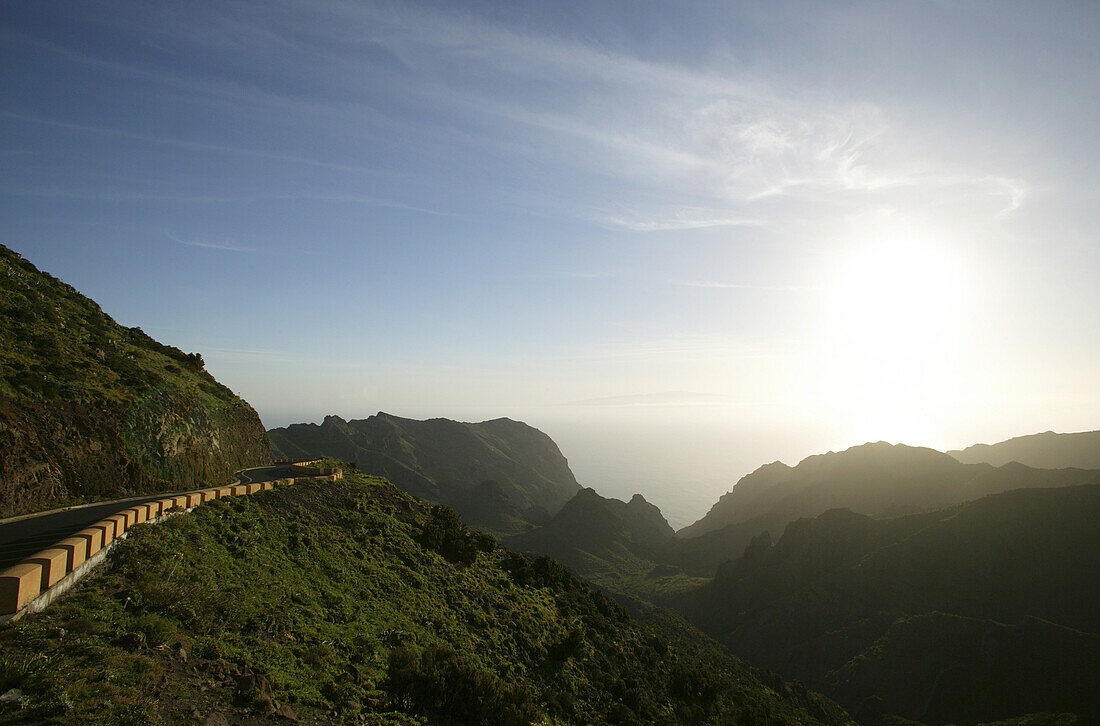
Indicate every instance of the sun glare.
{"type": "Point", "coordinates": [896, 302]}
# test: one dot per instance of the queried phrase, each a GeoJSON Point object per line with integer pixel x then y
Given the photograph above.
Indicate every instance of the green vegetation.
{"type": "Point", "coordinates": [617, 545]}
{"type": "Point", "coordinates": [58, 343]}
{"type": "Point", "coordinates": [352, 602]}
{"type": "Point", "coordinates": [91, 409]}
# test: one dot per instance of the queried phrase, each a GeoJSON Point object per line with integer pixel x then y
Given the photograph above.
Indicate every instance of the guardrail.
{"type": "Point", "coordinates": [38, 580]}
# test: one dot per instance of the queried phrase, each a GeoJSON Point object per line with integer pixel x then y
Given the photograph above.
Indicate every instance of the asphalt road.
{"type": "Point", "coordinates": [24, 536]}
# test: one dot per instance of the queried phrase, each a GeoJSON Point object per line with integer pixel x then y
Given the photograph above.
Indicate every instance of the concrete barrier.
{"type": "Point", "coordinates": [327, 471]}
{"type": "Point", "coordinates": [30, 585]}
{"type": "Point", "coordinates": [54, 562]}
{"type": "Point", "coordinates": [106, 532]}
{"type": "Point", "coordinates": [19, 585]}
{"type": "Point", "coordinates": [120, 522]}
{"type": "Point", "coordinates": [77, 549]}
{"type": "Point", "coordinates": [94, 538]}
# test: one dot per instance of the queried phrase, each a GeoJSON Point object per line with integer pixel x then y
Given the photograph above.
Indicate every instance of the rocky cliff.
{"type": "Point", "coordinates": [90, 409]}
{"type": "Point", "coordinates": [493, 472]}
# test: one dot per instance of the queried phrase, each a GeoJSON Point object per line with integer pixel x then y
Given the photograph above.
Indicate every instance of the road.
{"type": "Point", "coordinates": [21, 537]}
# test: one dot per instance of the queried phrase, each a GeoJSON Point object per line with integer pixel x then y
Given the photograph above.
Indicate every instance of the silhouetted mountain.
{"type": "Point", "coordinates": [879, 480]}
{"type": "Point", "coordinates": [1046, 451]}
{"type": "Point", "coordinates": [604, 540]}
{"type": "Point", "coordinates": [498, 474]}
{"type": "Point", "coordinates": [822, 605]}
{"type": "Point", "coordinates": [90, 409]}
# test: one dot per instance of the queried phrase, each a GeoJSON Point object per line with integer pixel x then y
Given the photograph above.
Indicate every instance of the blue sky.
{"type": "Point", "coordinates": [792, 226]}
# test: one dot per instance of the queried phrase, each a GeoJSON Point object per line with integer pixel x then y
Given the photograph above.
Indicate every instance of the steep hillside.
{"type": "Point", "coordinates": [1045, 451]}
{"type": "Point", "coordinates": [498, 474]}
{"type": "Point", "coordinates": [883, 479]}
{"type": "Point", "coordinates": [615, 544]}
{"type": "Point", "coordinates": [823, 604]}
{"type": "Point", "coordinates": [879, 480]}
{"type": "Point", "coordinates": [352, 602]}
{"type": "Point", "coordinates": [91, 409]}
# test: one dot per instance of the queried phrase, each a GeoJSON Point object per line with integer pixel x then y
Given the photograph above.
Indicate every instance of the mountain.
{"type": "Point", "coordinates": [90, 409]}
{"type": "Point", "coordinates": [879, 480]}
{"type": "Point", "coordinates": [608, 541]}
{"type": "Point", "coordinates": [500, 475]}
{"type": "Point", "coordinates": [1045, 451]}
{"type": "Point", "coordinates": [995, 597]}
{"type": "Point", "coordinates": [352, 602]}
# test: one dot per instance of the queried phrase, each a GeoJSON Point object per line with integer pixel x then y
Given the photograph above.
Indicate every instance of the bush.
{"type": "Point", "coordinates": [446, 534]}
{"type": "Point", "coordinates": [441, 682]}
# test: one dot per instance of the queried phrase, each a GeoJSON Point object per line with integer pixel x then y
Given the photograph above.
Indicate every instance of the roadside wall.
{"type": "Point", "coordinates": [37, 581]}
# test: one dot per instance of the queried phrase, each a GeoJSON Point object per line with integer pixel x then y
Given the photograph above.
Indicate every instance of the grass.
{"type": "Point", "coordinates": [352, 602]}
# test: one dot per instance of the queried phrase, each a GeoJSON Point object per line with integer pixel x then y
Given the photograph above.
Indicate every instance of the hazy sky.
{"type": "Point", "coordinates": [717, 233]}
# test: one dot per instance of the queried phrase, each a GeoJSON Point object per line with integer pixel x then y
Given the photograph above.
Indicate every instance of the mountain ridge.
{"type": "Point", "coordinates": [500, 474]}
{"type": "Point", "coordinates": [1047, 450]}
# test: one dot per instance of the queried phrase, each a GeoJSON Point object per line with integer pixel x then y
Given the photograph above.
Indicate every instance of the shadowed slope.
{"type": "Point", "coordinates": [821, 599]}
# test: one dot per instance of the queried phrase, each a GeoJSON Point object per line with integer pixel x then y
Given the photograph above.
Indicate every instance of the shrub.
{"type": "Point", "coordinates": [441, 682]}
{"type": "Point", "coordinates": [446, 534]}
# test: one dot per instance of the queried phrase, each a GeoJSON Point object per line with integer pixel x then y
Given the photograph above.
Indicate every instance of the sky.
{"type": "Point", "coordinates": [684, 239]}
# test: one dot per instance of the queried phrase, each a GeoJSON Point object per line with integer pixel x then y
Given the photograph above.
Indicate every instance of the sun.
{"type": "Point", "coordinates": [894, 306]}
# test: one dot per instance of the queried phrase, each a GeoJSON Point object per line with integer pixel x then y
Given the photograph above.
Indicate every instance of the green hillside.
{"type": "Point", "coordinates": [500, 475]}
{"type": "Point", "coordinates": [352, 602]}
{"type": "Point", "coordinates": [617, 545]}
{"type": "Point", "coordinates": [823, 603]}
{"type": "Point", "coordinates": [91, 409]}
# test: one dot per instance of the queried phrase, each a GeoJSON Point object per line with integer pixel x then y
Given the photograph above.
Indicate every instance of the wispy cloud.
{"type": "Point", "coordinates": [725, 144]}
{"type": "Point", "coordinates": [678, 220]}
{"type": "Point", "coordinates": [186, 143]}
{"type": "Point", "coordinates": [741, 286]}
{"type": "Point", "coordinates": [227, 245]}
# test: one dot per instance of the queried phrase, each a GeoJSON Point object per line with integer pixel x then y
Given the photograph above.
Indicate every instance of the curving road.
{"type": "Point", "coordinates": [21, 537]}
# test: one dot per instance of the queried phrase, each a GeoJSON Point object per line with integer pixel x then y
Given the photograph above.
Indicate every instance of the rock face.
{"type": "Point", "coordinates": [91, 409]}
{"type": "Point", "coordinates": [495, 473]}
